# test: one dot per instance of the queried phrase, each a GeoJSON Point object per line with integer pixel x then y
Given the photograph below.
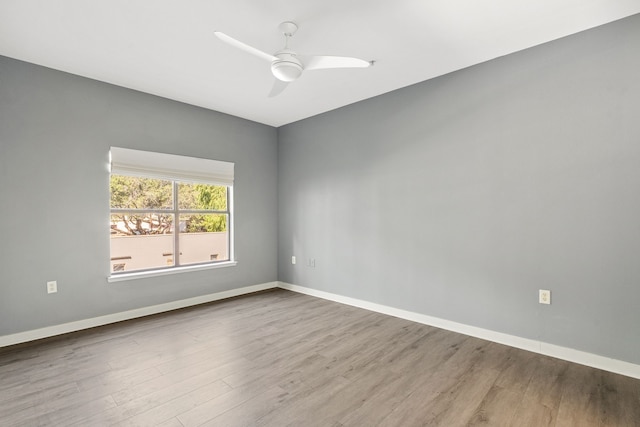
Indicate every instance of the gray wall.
{"type": "Point", "coordinates": [55, 134]}
{"type": "Point", "coordinates": [460, 197]}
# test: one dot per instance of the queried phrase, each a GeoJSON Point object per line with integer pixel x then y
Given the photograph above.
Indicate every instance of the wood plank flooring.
{"type": "Point", "coordinates": [279, 358]}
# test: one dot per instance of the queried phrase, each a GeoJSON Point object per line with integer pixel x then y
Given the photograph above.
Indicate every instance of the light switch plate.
{"type": "Point", "coordinates": [52, 287]}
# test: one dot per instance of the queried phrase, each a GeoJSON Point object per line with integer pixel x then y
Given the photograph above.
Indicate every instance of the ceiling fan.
{"type": "Point", "coordinates": [287, 65]}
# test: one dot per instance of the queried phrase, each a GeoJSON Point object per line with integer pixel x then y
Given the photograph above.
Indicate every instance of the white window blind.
{"type": "Point", "coordinates": [125, 161]}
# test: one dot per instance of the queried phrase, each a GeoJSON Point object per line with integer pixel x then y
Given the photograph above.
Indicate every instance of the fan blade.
{"type": "Point", "coordinates": [252, 50]}
{"type": "Point", "coordinates": [278, 87]}
{"type": "Point", "coordinates": [324, 62]}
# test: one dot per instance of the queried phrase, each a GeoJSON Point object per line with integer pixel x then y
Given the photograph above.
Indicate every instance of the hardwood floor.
{"type": "Point", "coordinates": [283, 359]}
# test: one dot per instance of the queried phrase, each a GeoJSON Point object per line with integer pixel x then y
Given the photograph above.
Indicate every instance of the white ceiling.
{"type": "Point", "coordinates": [168, 48]}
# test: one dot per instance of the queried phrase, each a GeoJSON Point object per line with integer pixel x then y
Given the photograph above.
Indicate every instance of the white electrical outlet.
{"type": "Point", "coordinates": [52, 287]}
{"type": "Point", "coordinates": [544, 296]}
{"type": "Point", "coordinates": [312, 262]}
{"type": "Point", "coordinates": [293, 260]}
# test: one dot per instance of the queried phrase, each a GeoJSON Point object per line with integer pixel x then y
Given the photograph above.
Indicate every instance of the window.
{"type": "Point", "coordinates": [168, 211]}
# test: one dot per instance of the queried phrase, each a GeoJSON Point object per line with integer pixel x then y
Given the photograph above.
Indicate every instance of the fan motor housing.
{"type": "Point", "coordinates": [287, 67]}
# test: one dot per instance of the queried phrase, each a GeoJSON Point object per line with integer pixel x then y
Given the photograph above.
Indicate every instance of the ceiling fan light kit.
{"type": "Point", "coordinates": [287, 65]}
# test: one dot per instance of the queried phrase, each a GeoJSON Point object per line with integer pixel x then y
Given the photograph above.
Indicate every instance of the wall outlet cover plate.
{"type": "Point", "coordinates": [544, 296]}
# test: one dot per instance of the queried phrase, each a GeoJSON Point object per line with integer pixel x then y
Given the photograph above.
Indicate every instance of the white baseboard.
{"type": "Point", "coordinates": [79, 325]}
{"type": "Point", "coordinates": [564, 353]}
{"type": "Point", "coordinates": [559, 352]}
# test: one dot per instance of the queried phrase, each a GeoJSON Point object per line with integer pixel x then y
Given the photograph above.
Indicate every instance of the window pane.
{"type": "Point", "coordinates": [128, 192]}
{"type": "Point", "coordinates": [141, 241]}
{"type": "Point", "coordinates": [203, 238]}
{"type": "Point", "coordinates": [202, 196]}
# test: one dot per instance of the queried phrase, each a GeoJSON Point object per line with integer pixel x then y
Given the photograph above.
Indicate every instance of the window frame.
{"type": "Point", "coordinates": [176, 211]}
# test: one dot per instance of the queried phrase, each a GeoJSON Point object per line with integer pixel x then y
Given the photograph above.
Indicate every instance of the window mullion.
{"type": "Point", "coordinates": [176, 227]}
{"type": "Point", "coordinates": [139, 211]}
{"type": "Point", "coordinates": [202, 211]}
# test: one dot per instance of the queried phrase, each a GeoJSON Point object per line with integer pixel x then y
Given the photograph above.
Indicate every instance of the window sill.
{"type": "Point", "coordinates": [144, 274]}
